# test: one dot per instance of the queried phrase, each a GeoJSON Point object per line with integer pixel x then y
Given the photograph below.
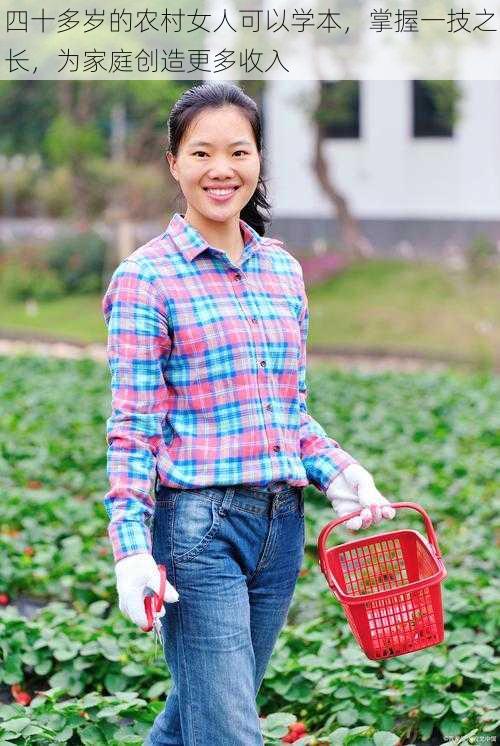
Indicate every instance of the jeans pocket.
{"type": "Point", "coordinates": [196, 523]}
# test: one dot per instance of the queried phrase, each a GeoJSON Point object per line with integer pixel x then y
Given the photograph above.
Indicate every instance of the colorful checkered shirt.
{"type": "Point", "coordinates": [208, 375]}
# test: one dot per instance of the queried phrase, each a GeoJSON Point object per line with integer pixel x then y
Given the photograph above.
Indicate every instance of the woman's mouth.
{"type": "Point", "coordinates": [221, 195]}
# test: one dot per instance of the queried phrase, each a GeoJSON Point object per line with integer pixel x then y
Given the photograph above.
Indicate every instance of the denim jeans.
{"type": "Point", "coordinates": [234, 555]}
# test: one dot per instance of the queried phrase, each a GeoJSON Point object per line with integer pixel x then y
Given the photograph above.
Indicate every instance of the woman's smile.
{"type": "Point", "coordinates": [221, 194]}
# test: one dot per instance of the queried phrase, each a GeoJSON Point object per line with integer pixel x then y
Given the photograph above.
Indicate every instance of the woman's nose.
{"type": "Point", "coordinates": [221, 167]}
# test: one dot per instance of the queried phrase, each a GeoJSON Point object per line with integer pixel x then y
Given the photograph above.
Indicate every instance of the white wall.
{"type": "Point", "coordinates": [387, 173]}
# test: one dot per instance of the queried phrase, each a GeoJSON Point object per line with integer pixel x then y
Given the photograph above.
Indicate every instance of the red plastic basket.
{"type": "Point", "coordinates": [389, 586]}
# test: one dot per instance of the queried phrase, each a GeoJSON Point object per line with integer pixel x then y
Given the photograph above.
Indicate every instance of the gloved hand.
{"type": "Point", "coordinates": [354, 488]}
{"type": "Point", "coordinates": [134, 574]}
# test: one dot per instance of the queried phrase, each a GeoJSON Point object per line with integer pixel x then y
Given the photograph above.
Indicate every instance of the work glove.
{"type": "Point", "coordinates": [134, 574]}
{"type": "Point", "coordinates": [354, 488]}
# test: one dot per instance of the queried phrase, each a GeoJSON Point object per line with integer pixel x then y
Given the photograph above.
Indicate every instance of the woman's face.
{"type": "Point", "coordinates": [218, 150]}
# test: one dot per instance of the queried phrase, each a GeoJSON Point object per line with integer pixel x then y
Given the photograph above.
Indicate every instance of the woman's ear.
{"type": "Point", "coordinates": [171, 163]}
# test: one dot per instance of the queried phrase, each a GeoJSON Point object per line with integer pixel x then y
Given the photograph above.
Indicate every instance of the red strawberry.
{"type": "Point", "coordinates": [4, 599]}
{"type": "Point", "coordinates": [22, 697]}
{"type": "Point", "coordinates": [34, 484]}
{"type": "Point", "coordinates": [28, 551]}
{"type": "Point", "coordinates": [295, 732]}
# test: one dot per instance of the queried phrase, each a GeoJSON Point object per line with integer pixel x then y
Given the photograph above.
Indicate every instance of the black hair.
{"type": "Point", "coordinates": [214, 95]}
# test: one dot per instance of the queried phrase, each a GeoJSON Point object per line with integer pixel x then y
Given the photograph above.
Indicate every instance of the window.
{"type": "Point", "coordinates": [434, 107]}
{"type": "Point", "coordinates": [338, 113]}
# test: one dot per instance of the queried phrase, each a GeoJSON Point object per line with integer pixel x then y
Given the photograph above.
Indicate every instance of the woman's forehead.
{"type": "Point", "coordinates": [212, 127]}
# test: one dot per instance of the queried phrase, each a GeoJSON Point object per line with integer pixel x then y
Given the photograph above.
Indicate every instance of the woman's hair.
{"type": "Point", "coordinates": [214, 95]}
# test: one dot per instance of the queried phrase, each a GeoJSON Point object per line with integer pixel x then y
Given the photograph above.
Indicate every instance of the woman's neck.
{"type": "Point", "coordinates": [225, 236]}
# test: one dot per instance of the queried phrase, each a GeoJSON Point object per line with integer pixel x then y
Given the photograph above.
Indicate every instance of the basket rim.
{"type": "Point", "coordinates": [439, 574]}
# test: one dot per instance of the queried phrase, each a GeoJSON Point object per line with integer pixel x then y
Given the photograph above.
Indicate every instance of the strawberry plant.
{"type": "Point", "coordinates": [71, 665]}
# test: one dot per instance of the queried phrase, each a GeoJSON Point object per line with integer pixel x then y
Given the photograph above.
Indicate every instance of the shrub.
{"type": "Point", "coordinates": [78, 261]}
{"type": "Point", "coordinates": [20, 282]}
{"type": "Point", "coordinates": [141, 188]}
{"type": "Point", "coordinates": [55, 192]}
{"type": "Point", "coordinates": [481, 255]}
{"type": "Point", "coordinates": [67, 142]}
{"type": "Point", "coordinates": [18, 175]}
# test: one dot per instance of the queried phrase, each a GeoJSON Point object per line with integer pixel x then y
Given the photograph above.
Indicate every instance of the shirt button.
{"type": "Point", "coordinates": [269, 407]}
{"type": "Point", "coordinates": [254, 320]}
{"type": "Point", "coordinates": [276, 448]}
{"type": "Point", "coordinates": [263, 363]}
{"type": "Point", "coordinates": [237, 277]}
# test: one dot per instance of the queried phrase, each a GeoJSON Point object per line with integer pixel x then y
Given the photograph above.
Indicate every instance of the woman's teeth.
{"type": "Point", "coordinates": [221, 194]}
{"type": "Point", "coordinates": [221, 191]}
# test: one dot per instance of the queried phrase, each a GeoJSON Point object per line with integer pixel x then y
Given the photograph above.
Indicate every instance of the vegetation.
{"type": "Point", "coordinates": [379, 304]}
{"type": "Point", "coordinates": [75, 667]}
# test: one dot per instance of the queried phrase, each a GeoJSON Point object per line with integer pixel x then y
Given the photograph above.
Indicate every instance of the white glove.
{"type": "Point", "coordinates": [354, 488]}
{"type": "Point", "coordinates": [134, 574]}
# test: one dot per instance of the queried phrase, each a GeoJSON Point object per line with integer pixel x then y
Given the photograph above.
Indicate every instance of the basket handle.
{"type": "Point", "coordinates": [431, 534]}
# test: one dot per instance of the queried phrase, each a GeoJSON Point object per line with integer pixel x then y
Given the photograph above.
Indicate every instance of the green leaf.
{"type": "Point", "coordinates": [337, 737]}
{"type": "Point", "coordinates": [124, 736]}
{"type": "Point", "coordinates": [459, 706]}
{"type": "Point", "coordinates": [115, 682]}
{"type": "Point", "coordinates": [16, 725]}
{"type": "Point", "coordinates": [276, 724]}
{"type": "Point", "coordinates": [91, 735]}
{"type": "Point", "coordinates": [156, 690]}
{"type": "Point", "coordinates": [32, 730]}
{"type": "Point", "coordinates": [385, 738]}
{"type": "Point", "coordinates": [8, 711]}
{"type": "Point", "coordinates": [133, 669]}
{"type": "Point", "coordinates": [98, 608]}
{"type": "Point", "coordinates": [433, 708]}
{"type": "Point", "coordinates": [450, 727]}
{"type": "Point", "coordinates": [426, 728]}
{"type": "Point", "coordinates": [347, 717]}
{"type": "Point", "coordinates": [359, 736]}
{"type": "Point", "coordinates": [64, 735]}
{"type": "Point", "coordinates": [110, 648]}
{"type": "Point", "coordinates": [343, 693]}
{"type": "Point", "coordinates": [43, 667]}
{"type": "Point", "coordinates": [13, 671]}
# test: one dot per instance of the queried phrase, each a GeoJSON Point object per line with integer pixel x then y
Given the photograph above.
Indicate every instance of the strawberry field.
{"type": "Point", "coordinates": [74, 670]}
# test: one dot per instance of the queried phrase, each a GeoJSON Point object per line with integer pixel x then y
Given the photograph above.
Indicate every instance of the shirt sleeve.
{"type": "Point", "coordinates": [138, 339]}
{"type": "Point", "coordinates": [323, 458]}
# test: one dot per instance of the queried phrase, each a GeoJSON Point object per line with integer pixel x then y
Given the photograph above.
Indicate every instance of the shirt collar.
{"type": "Point", "coordinates": [190, 241]}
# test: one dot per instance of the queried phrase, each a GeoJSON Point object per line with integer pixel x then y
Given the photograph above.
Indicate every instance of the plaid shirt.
{"type": "Point", "coordinates": [208, 375]}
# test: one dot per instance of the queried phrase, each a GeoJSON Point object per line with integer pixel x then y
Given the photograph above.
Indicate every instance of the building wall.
{"type": "Point", "coordinates": [429, 192]}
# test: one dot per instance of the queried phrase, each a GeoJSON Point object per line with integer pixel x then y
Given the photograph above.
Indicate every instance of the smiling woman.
{"type": "Point", "coordinates": [207, 329]}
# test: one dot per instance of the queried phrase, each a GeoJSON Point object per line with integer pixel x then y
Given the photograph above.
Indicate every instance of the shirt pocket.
{"type": "Point", "coordinates": [210, 347]}
{"type": "Point", "coordinates": [282, 331]}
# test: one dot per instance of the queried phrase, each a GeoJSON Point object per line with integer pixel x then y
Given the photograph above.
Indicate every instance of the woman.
{"type": "Point", "coordinates": [207, 350]}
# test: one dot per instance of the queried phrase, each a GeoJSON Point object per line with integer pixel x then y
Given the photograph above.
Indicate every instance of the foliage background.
{"type": "Point", "coordinates": [429, 438]}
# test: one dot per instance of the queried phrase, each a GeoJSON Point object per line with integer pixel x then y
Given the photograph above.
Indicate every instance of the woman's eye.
{"type": "Point", "coordinates": [202, 152]}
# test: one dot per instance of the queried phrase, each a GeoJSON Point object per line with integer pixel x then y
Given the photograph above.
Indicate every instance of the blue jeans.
{"type": "Point", "coordinates": [234, 555]}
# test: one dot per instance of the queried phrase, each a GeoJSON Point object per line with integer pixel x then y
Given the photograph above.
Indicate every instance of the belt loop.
{"type": "Point", "coordinates": [276, 502]}
{"type": "Point", "coordinates": [156, 483]}
{"type": "Point", "coordinates": [226, 502]}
